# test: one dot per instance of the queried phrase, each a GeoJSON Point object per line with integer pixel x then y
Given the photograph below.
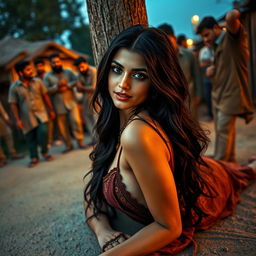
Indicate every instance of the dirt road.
{"type": "Point", "coordinates": [41, 209]}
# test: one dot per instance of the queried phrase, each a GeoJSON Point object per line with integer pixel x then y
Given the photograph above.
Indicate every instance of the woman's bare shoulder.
{"type": "Point", "coordinates": [133, 132]}
{"type": "Point", "coordinates": [139, 136]}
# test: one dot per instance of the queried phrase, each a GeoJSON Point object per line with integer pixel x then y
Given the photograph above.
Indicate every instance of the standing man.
{"type": "Point", "coordinates": [28, 99]}
{"type": "Point", "coordinates": [52, 124]}
{"type": "Point", "coordinates": [6, 136]}
{"type": "Point", "coordinates": [182, 41]}
{"type": "Point", "coordinates": [60, 83]}
{"type": "Point", "coordinates": [86, 85]}
{"type": "Point", "coordinates": [230, 86]}
{"type": "Point", "coordinates": [188, 64]}
{"type": "Point", "coordinates": [40, 68]}
{"type": "Point", "coordinates": [205, 58]}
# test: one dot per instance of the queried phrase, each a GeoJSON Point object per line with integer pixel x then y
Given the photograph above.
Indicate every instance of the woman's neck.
{"type": "Point", "coordinates": [126, 116]}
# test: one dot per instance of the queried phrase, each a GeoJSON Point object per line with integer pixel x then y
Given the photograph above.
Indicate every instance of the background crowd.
{"type": "Point", "coordinates": [49, 106]}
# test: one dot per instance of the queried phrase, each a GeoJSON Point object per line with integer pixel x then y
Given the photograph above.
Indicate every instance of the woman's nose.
{"type": "Point", "coordinates": [124, 83]}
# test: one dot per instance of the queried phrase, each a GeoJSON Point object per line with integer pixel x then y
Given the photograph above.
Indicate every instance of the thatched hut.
{"type": "Point", "coordinates": [13, 50]}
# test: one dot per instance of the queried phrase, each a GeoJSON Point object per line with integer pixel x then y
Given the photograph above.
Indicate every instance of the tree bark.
{"type": "Point", "coordinates": [109, 17]}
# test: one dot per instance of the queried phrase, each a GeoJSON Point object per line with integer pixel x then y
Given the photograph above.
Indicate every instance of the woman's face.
{"type": "Point", "coordinates": [128, 81]}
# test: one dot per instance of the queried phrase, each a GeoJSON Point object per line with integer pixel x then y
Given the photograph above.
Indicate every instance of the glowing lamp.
{"type": "Point", "coordinates": [190, 42]}
{"type": "Point", "coordinates": [195, 19]}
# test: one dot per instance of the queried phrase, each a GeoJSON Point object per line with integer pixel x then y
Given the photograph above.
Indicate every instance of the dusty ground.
{"type": "Point", "coordinates": [41, 209]}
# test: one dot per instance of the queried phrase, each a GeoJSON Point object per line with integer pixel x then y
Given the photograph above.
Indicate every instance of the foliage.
{"type": "Point", "coordinates": [80, 40]}
{"type": "Point", "coordinates": [44, 20]}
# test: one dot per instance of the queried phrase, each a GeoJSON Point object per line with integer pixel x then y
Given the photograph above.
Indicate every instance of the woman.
{"type": "Point", "coordinates": [147, 162]}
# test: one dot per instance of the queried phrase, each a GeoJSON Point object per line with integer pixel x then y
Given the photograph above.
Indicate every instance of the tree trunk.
{"type": "Point", "coordinates": [109, 17]}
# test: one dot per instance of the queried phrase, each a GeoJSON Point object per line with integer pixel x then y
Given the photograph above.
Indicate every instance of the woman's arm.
{"type": "Point", "coordinates": [101, 227]}
{"type": "Point", "coordinates": [148, 157]}
{"type": "Point", "coordinates": [98, 224]}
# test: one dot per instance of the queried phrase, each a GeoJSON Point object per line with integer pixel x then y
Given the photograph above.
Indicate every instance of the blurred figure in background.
{"type": "Point", "coordinates": [182, 41]}
{"type": "Point", "coordinates": [86, 82]}
{"type": "Point", "coordinates": [40, 68]}
{"type": "Point", "coordinates": [206, 57]}
{"type": "Point", "coordinates": [6, 137]}
{"type": "Point", "coordinates": [29, 103]}
{"type": "Point", "coordinates": [60, 83]}
{"type": "Point", "coordinates": [230, 85]}
{"type": "Point", "coordinates": [52, 124]}
{"type": "Point", "coordinates": [188, 64]}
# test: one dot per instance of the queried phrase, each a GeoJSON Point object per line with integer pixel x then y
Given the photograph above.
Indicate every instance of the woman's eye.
{"type": "Point", "coordinates": [139, 76]}
{"type": "Point", "coordinates": [116, 69]}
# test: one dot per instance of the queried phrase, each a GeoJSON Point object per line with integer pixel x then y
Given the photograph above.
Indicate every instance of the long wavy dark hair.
{"type": "Point", "coordinates": [166, 104]}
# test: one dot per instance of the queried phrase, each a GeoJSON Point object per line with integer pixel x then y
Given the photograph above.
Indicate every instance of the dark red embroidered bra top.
{"type": "Point", "coordinates": [116, 195]}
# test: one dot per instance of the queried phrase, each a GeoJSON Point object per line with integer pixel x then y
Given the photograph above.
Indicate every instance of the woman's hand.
{"type": "Point", "coordinates": [111, 238]}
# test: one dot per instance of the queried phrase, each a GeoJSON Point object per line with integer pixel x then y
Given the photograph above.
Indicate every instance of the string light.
{"type": "Point", "coordinates": [195, 19]}
{"type": "Point", "coordinates": [190, 42]}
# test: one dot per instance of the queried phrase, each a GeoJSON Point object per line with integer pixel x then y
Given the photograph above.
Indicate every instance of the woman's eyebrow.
{"type": "Point", "coordinates": [134, 69]}
{"type": "Point", "coordinates": [140, 69]}
{"type": "Point", "coordinates": [117, 63]}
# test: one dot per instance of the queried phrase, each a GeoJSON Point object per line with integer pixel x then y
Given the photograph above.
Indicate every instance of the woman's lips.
{"type": "Point", "coordinates": [122, 96]}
